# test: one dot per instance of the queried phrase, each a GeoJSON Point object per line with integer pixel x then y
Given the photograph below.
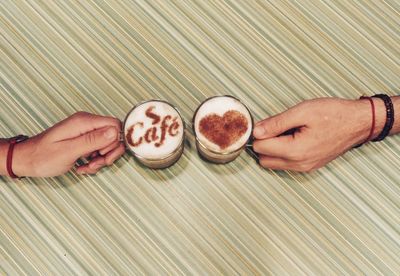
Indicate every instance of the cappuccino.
{"type": "Point", "coordinates": [222, 126]}
{"type": "Point", "coordinates": [154, 133]}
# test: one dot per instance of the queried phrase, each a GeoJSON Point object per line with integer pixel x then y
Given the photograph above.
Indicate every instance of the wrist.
{"type": "Point", "coordinates": [22, 156]}
{"type": "Point", "coordinates": [380, 117]}
{"type": "Point", "coordinates": [369, 117]}
{"type": "Point", "coordinates": [363, 114]}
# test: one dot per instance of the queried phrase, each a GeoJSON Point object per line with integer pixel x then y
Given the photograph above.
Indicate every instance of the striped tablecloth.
{"type": "Point", "coordinates": [58, 57]}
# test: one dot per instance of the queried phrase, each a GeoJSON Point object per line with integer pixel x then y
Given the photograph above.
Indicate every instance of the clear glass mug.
{"type": "Point", "coordinates": [212, 154]}
{"type": "Point", "coordinates": [165, 159]}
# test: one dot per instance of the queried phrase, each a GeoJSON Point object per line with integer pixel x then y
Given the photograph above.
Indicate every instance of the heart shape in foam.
{"type": "Point", "coordinates": [226, 130]}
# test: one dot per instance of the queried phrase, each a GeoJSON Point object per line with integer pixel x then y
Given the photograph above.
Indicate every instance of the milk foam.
{"type": "Point", "coordinates": [149, 150]}
{"type": "Point", "coordinates": [220, 105]}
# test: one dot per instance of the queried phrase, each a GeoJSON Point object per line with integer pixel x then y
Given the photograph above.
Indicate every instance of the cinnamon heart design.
{"type": "Point", "coordinates": [226, 130]}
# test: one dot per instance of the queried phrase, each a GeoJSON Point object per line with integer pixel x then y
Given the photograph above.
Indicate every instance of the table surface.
{"type": "Point", "coordinates": [59, 57]}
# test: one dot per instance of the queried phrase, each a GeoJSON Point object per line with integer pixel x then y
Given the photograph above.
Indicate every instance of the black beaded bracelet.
{"type": "Point", "coordinates": [389, 117]}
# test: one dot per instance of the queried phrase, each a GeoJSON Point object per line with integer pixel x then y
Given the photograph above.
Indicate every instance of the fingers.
{"type": "Point", "coordinates": [81, 123]}
{"type": "Point", "coordinates": [288, 152]}
{"type": "Point", "coordinates": [92, 167]}
{"type": "Point", "coordinates": [276, 125]}
{"type": "Point", "coordinates": [277, 145]}
{"type": "Point", "coordinates": [109, 148]}
{"type": "Point", "coordinates": [91, 155]}
{"type": "Point", "coordinates": [91, 141]}
{"type": "Point", "coordinates": [101, 161]}
{"type": "Point", "coordinates": [94, 154]}
{"type": "Point", "coordinates": [282, 147]}
{"type": "Point", "coordinates": [275, 163]}
{"type": "Point", "coordinates": [113, 155]}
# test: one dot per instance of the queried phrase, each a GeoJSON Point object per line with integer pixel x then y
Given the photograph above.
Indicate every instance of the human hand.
{"type": "Point", "coordinates": [324, 129]}
{"type": "Point", "coordinates": [56, 150]}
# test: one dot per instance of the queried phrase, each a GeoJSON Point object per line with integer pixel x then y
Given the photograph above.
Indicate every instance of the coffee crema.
{"type": "Point", "coordinates": [154, 131]}
{"type": "Point", "coordinates": [226, 130]}
{"type": "Point", "coordinates": [223, 124]}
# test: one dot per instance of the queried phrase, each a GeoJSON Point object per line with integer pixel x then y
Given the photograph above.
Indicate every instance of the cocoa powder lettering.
{"type": "Point", "coordinates": [149, 113]}
{"type": "Point", "coordinates": [129, 136]}
{"type": "Point", "coordinates": [165, 125]}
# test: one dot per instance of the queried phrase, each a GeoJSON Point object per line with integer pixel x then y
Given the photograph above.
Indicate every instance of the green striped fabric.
{"type": "Point", "coordinates": [58, 57]}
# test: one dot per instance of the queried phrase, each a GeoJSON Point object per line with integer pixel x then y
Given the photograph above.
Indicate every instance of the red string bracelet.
{"type": "Point", "coordinates": [10, 158]}
{"type": "Point", "coordinates": [12, 142]}
{"type": "Point", "coordinates": [371, 133]}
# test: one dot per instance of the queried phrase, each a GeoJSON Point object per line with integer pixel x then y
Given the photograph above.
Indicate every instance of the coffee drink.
{"type": "Point", "coordinates": [154, 133]}
{"type": "Point", "coordinates": [222, 126]}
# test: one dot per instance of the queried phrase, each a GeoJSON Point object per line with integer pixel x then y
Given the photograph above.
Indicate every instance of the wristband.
{"type": "Point", "coordinates": [371, 132]}
{"type": "Point", "coordinates": [13, 141]}
{"type": "Point", "coordinates": [389, 117]}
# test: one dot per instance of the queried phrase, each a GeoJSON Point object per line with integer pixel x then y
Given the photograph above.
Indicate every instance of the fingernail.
{"type": "Point", "coordinates": [111, 133]}
{"type": "Point", "coordinates": [258, 131]}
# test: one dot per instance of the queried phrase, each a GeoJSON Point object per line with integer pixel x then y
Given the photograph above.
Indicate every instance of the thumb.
{"type": "Point", "coordinates": [93, 141]}
{"type": "Point", "coordinates": [278, 124]}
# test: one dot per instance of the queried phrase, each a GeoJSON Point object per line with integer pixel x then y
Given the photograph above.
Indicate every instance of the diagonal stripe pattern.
{"type": "Point", "coordinates": [58, 57]}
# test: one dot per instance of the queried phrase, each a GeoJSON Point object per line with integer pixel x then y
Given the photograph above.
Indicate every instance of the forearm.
{"type": "Point", "coordinates": [3, 156]}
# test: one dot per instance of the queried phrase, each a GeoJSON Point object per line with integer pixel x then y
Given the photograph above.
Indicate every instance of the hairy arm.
{"type": "Point", "coordinates": [326, 128]}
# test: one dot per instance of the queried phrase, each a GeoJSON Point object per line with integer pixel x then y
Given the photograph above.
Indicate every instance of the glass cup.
{"type": "Point", "coordinates": [154, 132]}
{"type": "Point", "coordinates": [222, 126]}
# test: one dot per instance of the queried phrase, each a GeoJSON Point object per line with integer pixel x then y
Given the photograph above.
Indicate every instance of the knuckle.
{"type": "Point", "coordinates": [303, 108]}
{"type": "Point", "coordinates": [77, 117]}
{"type": "Point", "coordinates": [276, 123]}
{"type": "Point", "coordinates": [114, 121]}
{"type": "Point", "coordinates": [310, 102]}
{"type": "Point", "coordinates": [90, 138]}
{"type": "Point", "coordinates": [304, 103]}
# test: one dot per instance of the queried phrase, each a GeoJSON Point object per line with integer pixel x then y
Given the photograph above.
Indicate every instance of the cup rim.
{"type": "Point", "coordinates": [153, 159]}
{"type": "Point", "coordinates": [213, 151]}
